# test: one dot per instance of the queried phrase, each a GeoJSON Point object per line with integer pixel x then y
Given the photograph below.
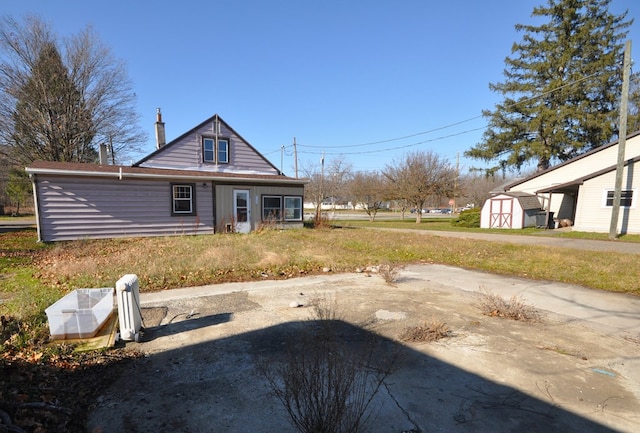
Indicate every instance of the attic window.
{"type": "Point", "coordinates": [216, 153]}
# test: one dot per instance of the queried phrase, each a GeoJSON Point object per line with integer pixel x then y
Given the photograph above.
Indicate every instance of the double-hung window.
{"type": "Point", "coordinates": [281, 208]}
{"type": "Point", "coordinates": [223, 151]}
{"type": "Point", "coordinates": [626, 198]}
{"type": "Point", "coordinates": [183, 201]}
{"type": "Point", "coordinates": [215, 151]}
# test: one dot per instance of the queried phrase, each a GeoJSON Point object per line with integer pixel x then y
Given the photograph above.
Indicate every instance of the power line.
{"type": "Point", "coordinates": [393, 148]}
{"type": "Point", "coordinates": [450, 125]}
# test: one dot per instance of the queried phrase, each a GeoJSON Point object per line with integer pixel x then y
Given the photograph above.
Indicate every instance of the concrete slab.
{"type": "Point", "coordinates": [577, 370]}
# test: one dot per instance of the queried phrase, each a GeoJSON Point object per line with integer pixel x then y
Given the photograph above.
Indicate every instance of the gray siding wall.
{"type": "Point", "coordinates": [78, 208]}
{"type": "Point", "coordinates": [187, 154]}
{"type": "Point", "coordinates": [224, 203]}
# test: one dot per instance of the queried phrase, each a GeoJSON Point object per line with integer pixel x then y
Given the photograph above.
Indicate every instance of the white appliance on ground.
{"type": "Point", "coordinates": [129, 312]}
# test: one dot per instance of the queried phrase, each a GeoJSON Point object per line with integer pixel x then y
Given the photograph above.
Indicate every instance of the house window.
{"type": "Point", "coordinates": [182, 199]}
{"type": "Point", "coordinates": [218, 154]}
{"type": "Point", "coordinates": [273, 209]}
{"type": "Point", "coordinates": [293, 208]}
{"type": "Point", "coordinates": [626, 198]}
{"type": "Point", "coordinates": [223, 151]}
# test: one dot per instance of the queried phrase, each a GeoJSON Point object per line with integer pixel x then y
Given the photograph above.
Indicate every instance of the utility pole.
{"type": "Point", "coordinates": [455, 186]}
{"type": "Point", "coordinates": [321, 195]}
{"type": "Point", "coordinates": [281, 158]}
{"type": "Point", "coordinates": [622, 137]}
{"type": "Point", "coordinates": [295, 156]}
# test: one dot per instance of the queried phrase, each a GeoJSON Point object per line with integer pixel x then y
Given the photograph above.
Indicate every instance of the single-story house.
{"type": "Point", "coordinates": [581, 190]}
{"type": "Point", "coordinates": [510, 210]}
{"type": "Point", "coordinates": [207, 180]}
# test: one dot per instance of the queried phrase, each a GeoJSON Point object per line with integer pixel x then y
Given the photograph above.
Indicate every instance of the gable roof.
{"type": "Point", "coordinates": [122, 172]}
{"type": "Point", "coordinates": [196, 128]}
{"type": "Point", "coordinates": [570, 161]}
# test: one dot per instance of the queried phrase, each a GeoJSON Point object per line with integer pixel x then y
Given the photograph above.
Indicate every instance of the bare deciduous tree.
{"type": "Point", "coordinates": [420, 176]}
{"type": "Point", "coordinates": [338, 173]}
{"type": "Point", "coordinates": [97, 83]}
{"type": "Point", "coordinates": [369, 191]}
{"type": "Point", "coordinates": [477, 187]}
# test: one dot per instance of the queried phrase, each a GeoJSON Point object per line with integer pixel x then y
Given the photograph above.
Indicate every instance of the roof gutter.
{"type": "Point", "coordinates": [120, 174]}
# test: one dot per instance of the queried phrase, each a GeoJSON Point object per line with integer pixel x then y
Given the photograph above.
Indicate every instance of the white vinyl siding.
{"type": "Point", "coordinates": [591, 214]}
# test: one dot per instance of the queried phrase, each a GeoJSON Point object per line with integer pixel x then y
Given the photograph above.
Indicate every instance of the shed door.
{"type": "Point", "coordinates": [501, 213]}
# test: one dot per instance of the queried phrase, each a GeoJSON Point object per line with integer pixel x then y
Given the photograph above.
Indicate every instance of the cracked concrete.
{"type": "Point", "coordinates": [576, 370]}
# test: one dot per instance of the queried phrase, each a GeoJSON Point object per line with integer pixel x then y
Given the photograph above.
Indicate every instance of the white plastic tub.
{"type": "Point", "coordinates": [80, 314]}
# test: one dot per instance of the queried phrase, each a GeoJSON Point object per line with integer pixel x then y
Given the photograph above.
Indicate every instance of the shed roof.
{"type": "Point", "coordinates": [527, 201]}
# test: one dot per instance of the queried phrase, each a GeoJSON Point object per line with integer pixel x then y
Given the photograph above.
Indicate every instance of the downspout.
{"type": "Point", "coordinates": [36, 205]}
{"type": "Point", "coordinates": [546, 218]}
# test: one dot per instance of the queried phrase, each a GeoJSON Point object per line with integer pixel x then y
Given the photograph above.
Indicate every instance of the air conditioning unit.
{"type": "Point", "coordinates": [129, 313]}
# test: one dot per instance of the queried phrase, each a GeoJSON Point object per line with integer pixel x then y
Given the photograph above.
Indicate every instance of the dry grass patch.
{"type": "Point", "coordinates": [426, 333]}
{"type": "Point", "coordinates": [514, 308]}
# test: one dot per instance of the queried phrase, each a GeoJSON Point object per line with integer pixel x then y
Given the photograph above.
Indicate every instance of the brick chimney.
{"type": "Point", "coordinates": [160, 136]}
{"type": "Point", "coordinates": [104, 159]}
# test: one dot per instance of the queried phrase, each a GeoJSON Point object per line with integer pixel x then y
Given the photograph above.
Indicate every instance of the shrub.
{"type": "Point", "coordinates": [389, 272]}
{"type": "Point", "coordinates": [515, 308]}
{"type": "Point", "coordinates": [468, 218]}
{"type": "Point", "coordinates": [426, 333]}
{"type": "Point", "coordinates": [325, 383]}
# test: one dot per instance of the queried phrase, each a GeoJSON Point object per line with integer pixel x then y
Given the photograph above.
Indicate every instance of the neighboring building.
{"type": "Point", "coordinates": [511, 210]}
{"type": "Point", "coordinates": [207, 180]}
{"type": "Point", "coordinates": [581, 190]}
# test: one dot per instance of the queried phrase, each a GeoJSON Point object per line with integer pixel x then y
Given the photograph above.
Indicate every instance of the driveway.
{"type": "Point", "coordinates": [575, 370]}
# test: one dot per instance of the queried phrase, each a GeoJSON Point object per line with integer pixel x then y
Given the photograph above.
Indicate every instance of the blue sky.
{"type": "Point", "coordinates": [347, 78]}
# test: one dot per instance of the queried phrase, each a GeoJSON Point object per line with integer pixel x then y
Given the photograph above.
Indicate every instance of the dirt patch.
{"type": "Point", "coordinates": [490, 374]}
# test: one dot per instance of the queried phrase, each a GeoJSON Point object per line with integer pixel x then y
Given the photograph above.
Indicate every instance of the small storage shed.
{"type": "Point", "coordinates": [510, 210]}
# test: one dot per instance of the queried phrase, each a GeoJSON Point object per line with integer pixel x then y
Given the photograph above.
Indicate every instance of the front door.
{"type": "Point", "coordinates": [242, 210]}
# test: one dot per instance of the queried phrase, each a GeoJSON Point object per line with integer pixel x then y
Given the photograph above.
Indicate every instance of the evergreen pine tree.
{"type": "Point", "coordinates": [50, 118]}
{"type": "Point", "coordinates": [561, 89]}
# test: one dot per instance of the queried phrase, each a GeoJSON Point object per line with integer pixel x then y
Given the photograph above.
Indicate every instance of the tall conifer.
{"type": "Point", "coordinates": [561, 89]}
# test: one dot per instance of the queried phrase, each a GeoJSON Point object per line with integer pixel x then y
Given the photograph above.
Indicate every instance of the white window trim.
{"type": "Point", "coordinates": [634, 197]}
{"type": "Point", "coordinates": [191, 199]}
{"type": "Point", "coordinates": [220, 161]}
{"type": "Point", "coordinates": [284, 209]}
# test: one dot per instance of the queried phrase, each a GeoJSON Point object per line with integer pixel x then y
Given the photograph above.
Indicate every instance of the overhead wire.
{"type": "Point", "coordinates": [447, 126]}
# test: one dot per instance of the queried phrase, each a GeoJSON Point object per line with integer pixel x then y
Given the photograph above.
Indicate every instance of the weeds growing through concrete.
{"type": "Point", "coordinates": [389, 272]}
{"type": "Point", "coordinates": [325, 383]}
{"type": "Point", "coordinates": [515, 308]}
{"type": "Point", "coordinates": [426, 333]}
